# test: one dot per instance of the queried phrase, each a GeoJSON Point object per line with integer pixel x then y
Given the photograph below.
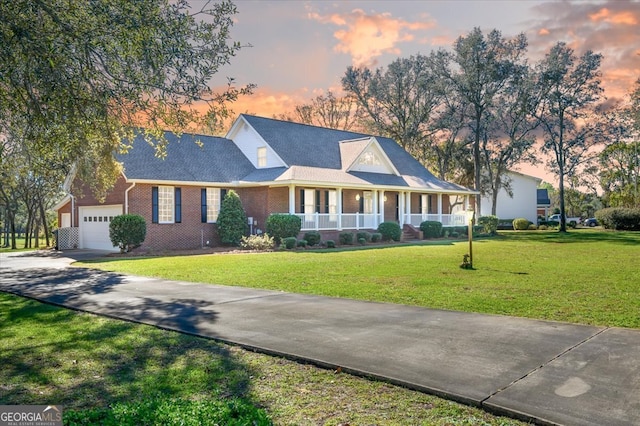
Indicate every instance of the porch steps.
{"type": "Point", "coordinates": [410, 233]}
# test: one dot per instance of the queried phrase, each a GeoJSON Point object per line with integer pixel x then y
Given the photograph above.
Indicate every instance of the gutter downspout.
{"type": "Point", "coordinates": [126, 198]}
{"type": "Point", "coordinates": [73, 210]}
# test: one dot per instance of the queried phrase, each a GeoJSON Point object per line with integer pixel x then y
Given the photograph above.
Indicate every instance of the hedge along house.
{"type": "Point", "coordinates": [334, 180]}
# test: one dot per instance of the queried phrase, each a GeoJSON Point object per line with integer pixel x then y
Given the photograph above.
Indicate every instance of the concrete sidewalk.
{"type": "Point", "coordinates": [548, 372]}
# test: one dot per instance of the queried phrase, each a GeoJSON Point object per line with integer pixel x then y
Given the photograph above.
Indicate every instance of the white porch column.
{"type": "Point", "coordinates": [408, 207]}
{"type": "Point", "coordinates": [339, 207]}
{"type": "Point", "coordinates": [375, 208]}
{"type": "Point", "coordinates": [381, 207]}
{"type": "Point", "coordinates": [292, 199]}
{"type": "Point", "coordinates": [440, 208]}
{"type": "Point", "coordinates": [401, 208]}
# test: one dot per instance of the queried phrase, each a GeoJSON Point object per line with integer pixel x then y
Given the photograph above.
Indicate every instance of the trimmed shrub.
{"type": "Point", "coordinates": [346, 238]}
{"type": "Point", "coordinates": [232, 220]}
{"type": "Point", "coordinates": [375, 237]}
{"type": "Point", "coordinates": [257, 242]}
{"type": "Point", "coordinates": [289, 242]}
{"type": "Point", "coordinates": [313, 238]}
{"type": "Point", "coordinates": [281, 226]}
{"type": "Point", "coordinates": [390, 231]}
{"type": "Point", "coordinates": [364, 235]}
{"type": "Point", "coordinates": [362, 241]}
{"type": "Point", "coordinates": [489, 224]}
{"type": "Point", "coordinates": [619, 218]}
{"type": "Point", "coordinates": [543, 227]}
{"type": "Point", "coordinates": [301, 243]}
{"type": "Point", "coordinates": [431, 229]}
{"type": "Point", "coordinates": [533, 227]}
{"type": "Point", "coordinates": [331, 244]}
{"type": "Point", "coordinates": [127, 231]}
{"type": "Point", "coordinates": [521, 224]}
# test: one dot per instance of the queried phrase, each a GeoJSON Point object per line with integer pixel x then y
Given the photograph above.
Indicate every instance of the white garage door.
{"type": "Point", "coordinates": [94, 226]}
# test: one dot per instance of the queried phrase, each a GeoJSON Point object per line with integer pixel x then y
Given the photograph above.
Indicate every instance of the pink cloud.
{"type": "Point", "coordinates": [368, 36]}
{"type": "Point", "coordinates": [623, 17]}
{"type": "Point", "coordinates": [609, 28]}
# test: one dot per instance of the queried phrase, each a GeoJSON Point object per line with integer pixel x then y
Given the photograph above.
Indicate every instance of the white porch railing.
{"type": "Point", "coordinates": [459, 219]}
{"type": "Point", "coordinates": [335, 221]}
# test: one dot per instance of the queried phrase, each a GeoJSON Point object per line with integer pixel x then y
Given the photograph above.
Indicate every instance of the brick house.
{"type": "Point", "coordinates": [334, 180]}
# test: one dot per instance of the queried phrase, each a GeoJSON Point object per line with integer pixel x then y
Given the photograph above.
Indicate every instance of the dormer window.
{"type": "Point", "coordinates": [369, 158]}
{"type": "Point", "coordinates": [262, 156]}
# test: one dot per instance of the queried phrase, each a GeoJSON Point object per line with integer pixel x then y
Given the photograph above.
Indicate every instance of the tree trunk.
{"type": "Point", "coordinates": [43, 217]}
{"type": "Point", "coordinates": [476, 165]}
{"type": "Point", "coordinates": [561, 160]}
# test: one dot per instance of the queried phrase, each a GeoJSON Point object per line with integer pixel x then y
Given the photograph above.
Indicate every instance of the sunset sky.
{"type": "Point", "coordinates": [302, 48]}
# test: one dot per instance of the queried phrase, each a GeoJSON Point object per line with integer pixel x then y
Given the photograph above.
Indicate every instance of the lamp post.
{"type": "Point", "coordinates": [470, 217]}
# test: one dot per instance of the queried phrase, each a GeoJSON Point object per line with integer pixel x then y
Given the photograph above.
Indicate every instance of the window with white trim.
{"type": "Point", "coordinates": [213, 204]}
{"type": "Point", "coordinates": [166, 204]}
{"type": "Point", "coordinates": [424, 204]}
{"type": "Point", "coordinates": [309, 200]}
{"type": "Point", "coordinates": [333, 204]}
{"type": "Point", "coordinates": [262, 156]}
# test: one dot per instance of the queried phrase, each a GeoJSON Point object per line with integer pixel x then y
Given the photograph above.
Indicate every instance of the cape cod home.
{"type": "Point", "coordinates": [334, 180]}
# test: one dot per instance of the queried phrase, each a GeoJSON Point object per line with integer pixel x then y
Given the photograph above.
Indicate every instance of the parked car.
{"type": "Point", "coordinates": [572, 221]}
{"type": "Point", "coordinates": [592, 221]}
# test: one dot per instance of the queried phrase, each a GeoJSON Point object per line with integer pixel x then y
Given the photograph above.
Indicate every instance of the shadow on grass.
{"type": "Point", "coordinates": [573, 236]}
{"type": "Point", "coordinates": [81, 361]}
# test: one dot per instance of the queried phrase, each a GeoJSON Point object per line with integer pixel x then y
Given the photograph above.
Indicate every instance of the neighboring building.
{"type": "Point", "coordinates": [522, 204]}
{"type": "Point", "coordinates": [334, 180]}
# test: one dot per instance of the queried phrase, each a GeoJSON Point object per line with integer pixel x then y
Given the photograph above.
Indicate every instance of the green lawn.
{"type": "Point", "coordinates": [585, 276]}
{"type": "Point", "coordinates": [110, 372]}
{"type": "Point", "coordinates": [20, 244]}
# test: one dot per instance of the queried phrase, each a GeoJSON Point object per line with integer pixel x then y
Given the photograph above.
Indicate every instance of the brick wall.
{"type": "Point", "coordinates": [191, 233]}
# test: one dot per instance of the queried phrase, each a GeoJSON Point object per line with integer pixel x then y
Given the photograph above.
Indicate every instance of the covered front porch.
{"type": "Point", "coordinates": [324, 209]}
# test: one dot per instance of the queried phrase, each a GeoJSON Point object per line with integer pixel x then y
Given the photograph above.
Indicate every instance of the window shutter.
{"type": "Point", "coordinates": [154, 204]}
{"type": "Point", "coordinates": [178, 206]}
{"type": "Point", "coordinates": [326, 201]}
{"type": "Point", "coordinates": [203, 205]}
{"type": "Point", "coordinates": [302, 201]}
{"type": "Point", "coordinates": [317, 201]}
{"type": "Point", "coordinates": [223, 193]}
{"type": "Point", "coordinates": [361, 204]}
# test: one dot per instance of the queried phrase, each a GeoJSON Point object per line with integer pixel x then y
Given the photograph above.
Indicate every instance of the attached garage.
{"type": "Point", "coordinates": [94, 226]}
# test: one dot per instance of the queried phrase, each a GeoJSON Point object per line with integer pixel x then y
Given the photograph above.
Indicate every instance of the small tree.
{"type": "Point", "coordinates": [127, 231]}
{"type": "Point", "coordinates": [232, 220]}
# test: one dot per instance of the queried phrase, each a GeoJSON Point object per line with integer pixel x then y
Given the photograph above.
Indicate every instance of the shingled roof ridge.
{"type": "Point", "coordinates": [364, 135]}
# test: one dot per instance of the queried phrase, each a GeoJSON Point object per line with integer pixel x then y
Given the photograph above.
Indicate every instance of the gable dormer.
{"type": "Point", "coordinates": [366, 155]}
{"type": "Point", "coordinates": [253, 145]}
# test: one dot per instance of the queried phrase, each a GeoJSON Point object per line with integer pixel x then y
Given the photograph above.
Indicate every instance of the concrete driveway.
{"type": "Point", "coordinates": [547, 372]}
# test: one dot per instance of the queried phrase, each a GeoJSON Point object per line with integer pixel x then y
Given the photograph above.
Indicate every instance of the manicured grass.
{"type": "Point", "coordinates": [19, 244]}
{"type": "Point", "coordinates": [585, 276]}
{"type": "Point", "coordinates": [110, 372]}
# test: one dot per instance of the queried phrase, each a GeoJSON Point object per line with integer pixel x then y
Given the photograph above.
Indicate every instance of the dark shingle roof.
{"type": "Point", "coordinates": [216, 160]}
{"type": "Point", "coordinates": [311, 146]}
{"type": "Point", "coordinates": [312, 153]}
